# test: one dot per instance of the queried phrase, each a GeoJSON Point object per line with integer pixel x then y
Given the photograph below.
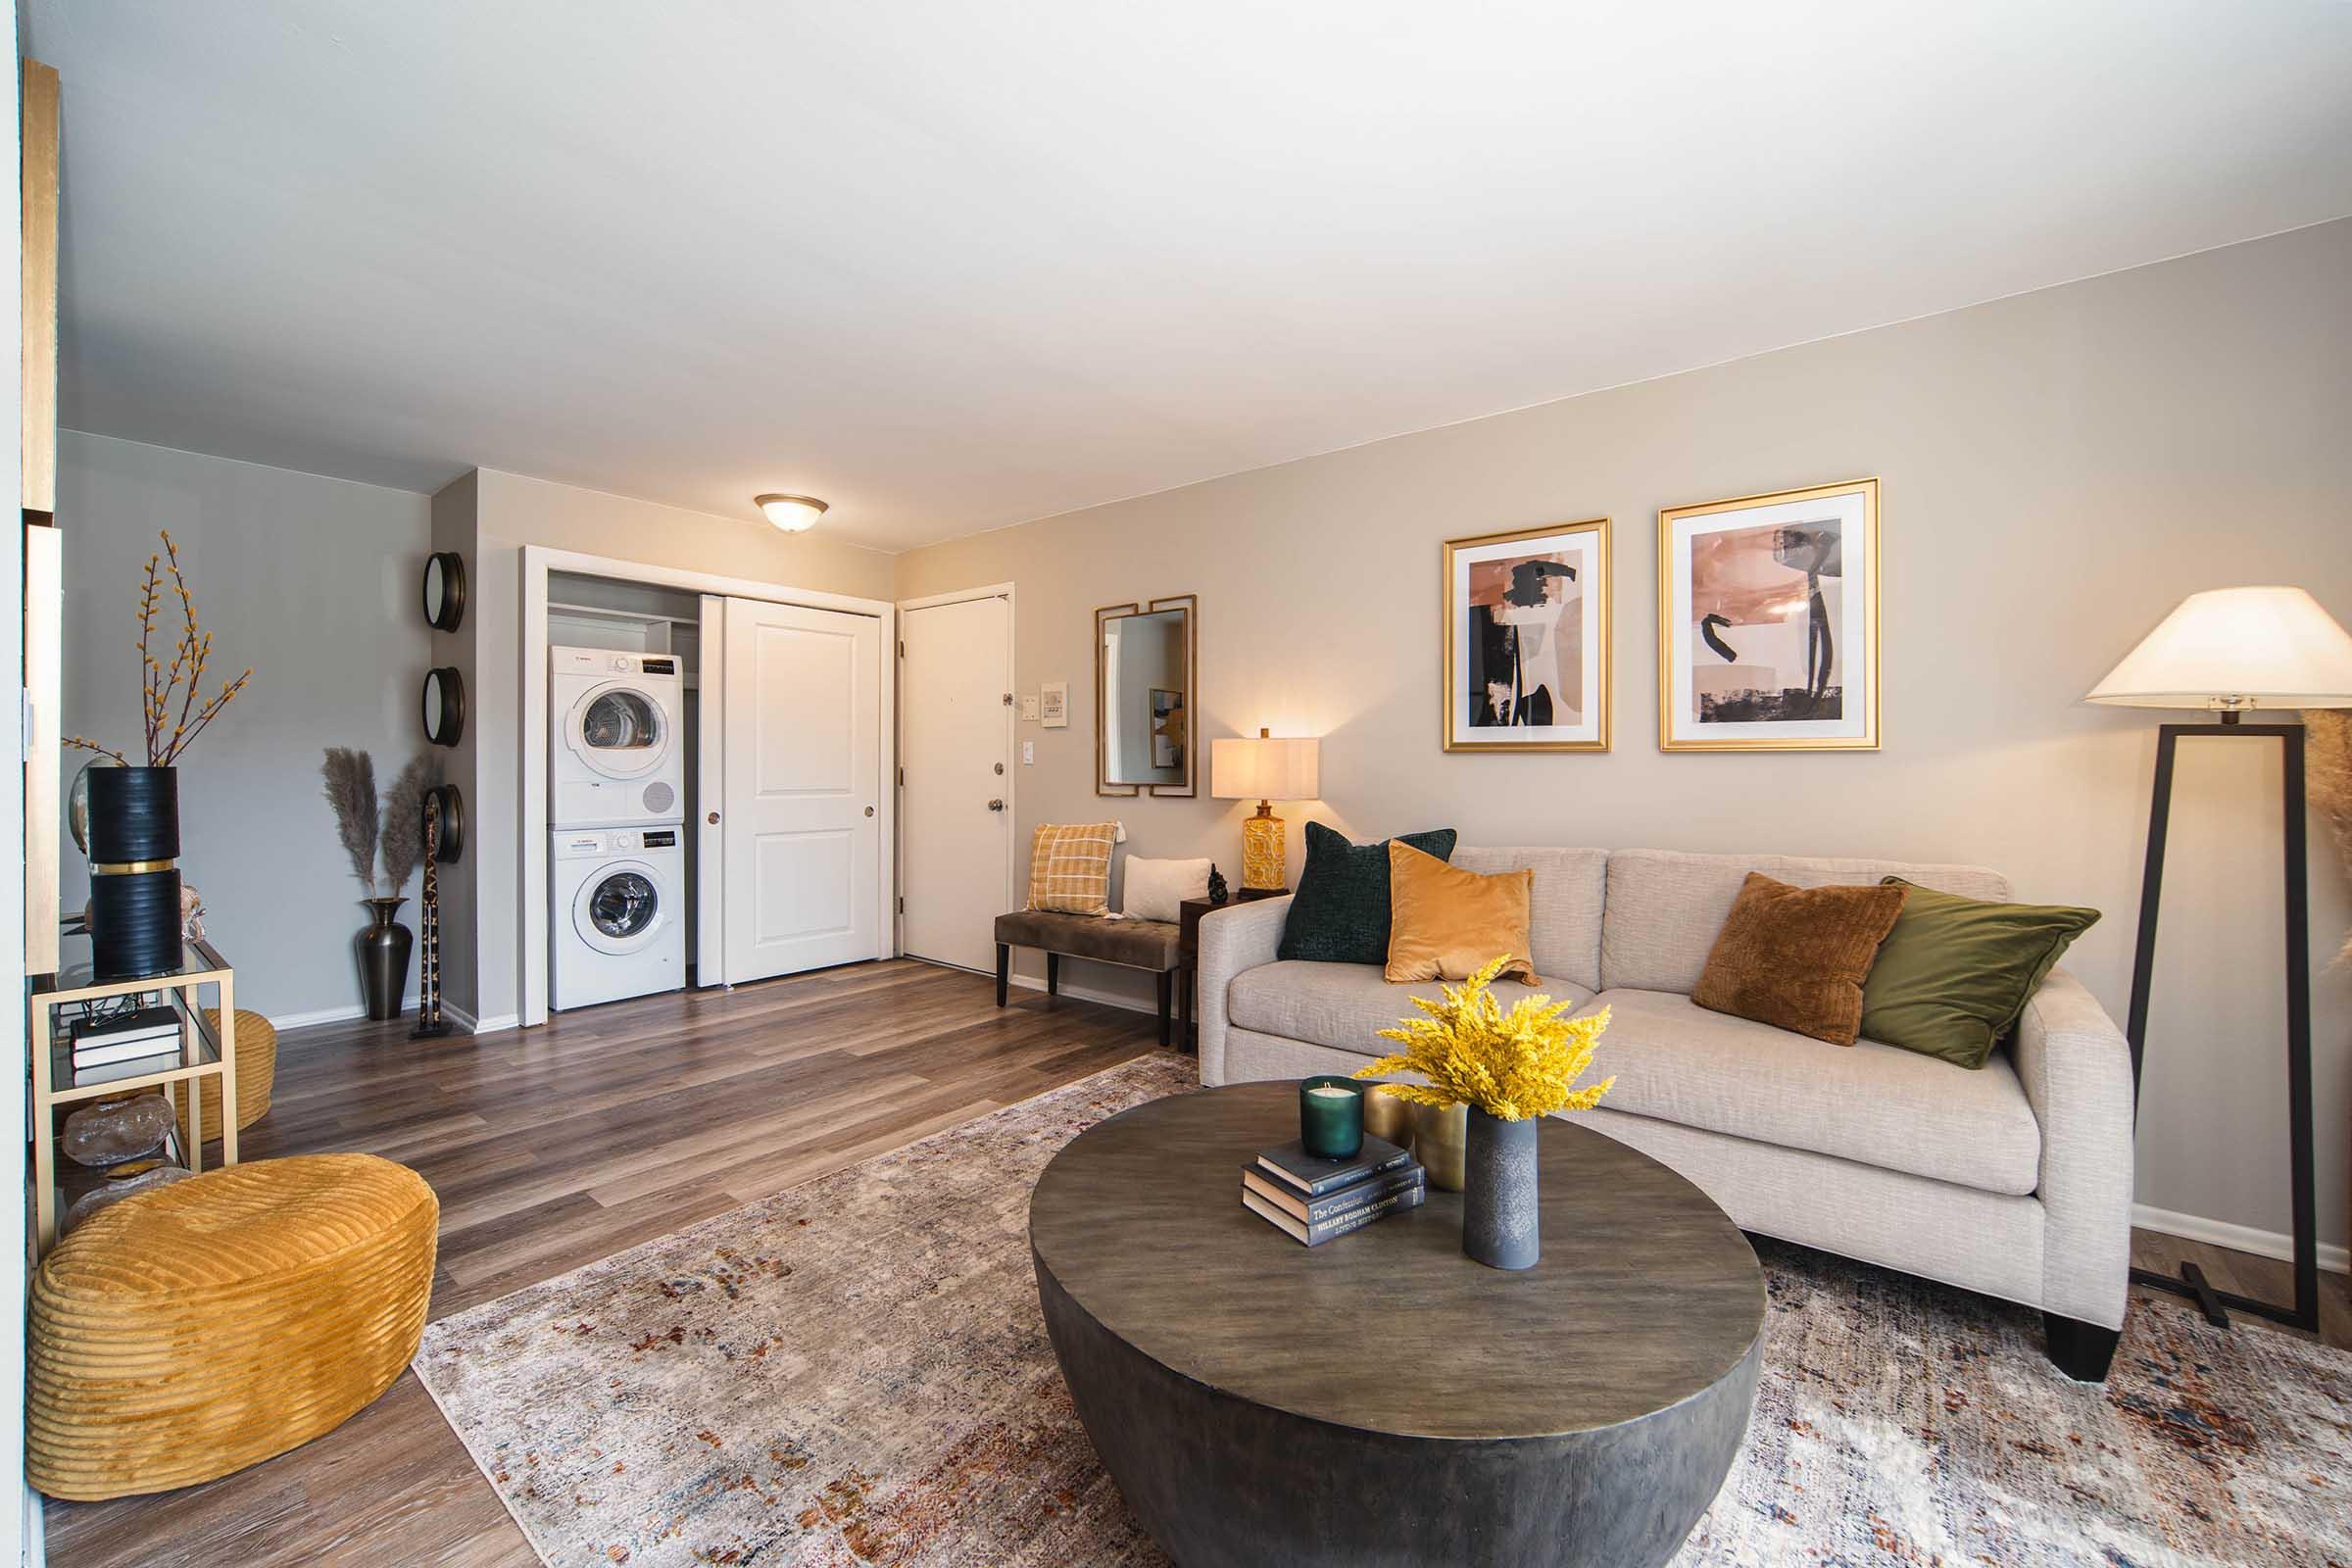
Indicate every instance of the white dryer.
{"type": "Point", "coordinates": [619, 924]}
{"type": "Point", "coordinates": [618, 757]}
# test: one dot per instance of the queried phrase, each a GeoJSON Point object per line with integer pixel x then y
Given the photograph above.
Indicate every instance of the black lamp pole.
{"type": "Point", "coordinates": [2191, 1281]}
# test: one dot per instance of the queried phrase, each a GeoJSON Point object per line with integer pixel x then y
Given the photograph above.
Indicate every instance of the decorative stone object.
{"type": "Point", "coordinates": [112, 1131]}
{"type": "Point", "coordinates": [191, 913]}
{"type": "Point", "coordinates": [1218, 892]}
{"type": "Point", "coordinates": [119, 1186]}
{"type": "Point", "coordinates": [1499, 1191]}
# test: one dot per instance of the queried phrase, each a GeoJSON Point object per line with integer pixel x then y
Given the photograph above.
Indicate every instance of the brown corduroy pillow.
{"type": "Point", "coordinates": [1795, 957]}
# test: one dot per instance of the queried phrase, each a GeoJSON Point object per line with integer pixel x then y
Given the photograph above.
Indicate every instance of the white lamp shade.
{"type": "Point", "coordinates": [2233, 648]}
{"type": "Point", "coordinates": [792, 513]}
{"type": "Point", "coordinates": [1262, 768]}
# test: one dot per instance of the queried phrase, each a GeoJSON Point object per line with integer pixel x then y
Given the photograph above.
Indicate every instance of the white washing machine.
{"type": "Point", "coordinates": [618, 757]}
{"type": "Point", "coordinates": [618, 921]}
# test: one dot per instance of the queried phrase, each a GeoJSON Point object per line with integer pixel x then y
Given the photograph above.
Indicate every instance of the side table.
{"type": "Point", "coordinates": [1188, 953]}
{"type": "Point", "coordinates": [205, 1052]}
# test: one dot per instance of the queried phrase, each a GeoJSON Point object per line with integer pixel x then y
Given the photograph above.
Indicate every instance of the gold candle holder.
{"type": "Point", "coordinates": [1387, 1117]}
{"type": "Point", "coordinates": [1441, 1143]}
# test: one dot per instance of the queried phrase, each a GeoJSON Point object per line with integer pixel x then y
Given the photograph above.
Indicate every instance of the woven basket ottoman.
{"type": "Point", "coordinates": [256, 1074]}
{"type": "Point", "coordinates": [205, 1326]}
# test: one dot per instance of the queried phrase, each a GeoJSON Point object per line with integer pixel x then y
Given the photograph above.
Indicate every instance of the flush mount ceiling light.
{"type": "Point", "coordinates": [792, 513]}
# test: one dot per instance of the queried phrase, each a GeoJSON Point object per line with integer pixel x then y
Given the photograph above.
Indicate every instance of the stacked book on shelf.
{"type": "Point", "coordinates": [1312, 1200]}
{"type": "Point", "coordinates": [126, 1046]}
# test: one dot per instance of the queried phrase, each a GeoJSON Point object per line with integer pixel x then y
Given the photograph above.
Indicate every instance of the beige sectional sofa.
{"type": "Point", "coordinates": [2014, 1180]}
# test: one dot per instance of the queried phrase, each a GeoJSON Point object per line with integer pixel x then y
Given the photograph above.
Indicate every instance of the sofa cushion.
{"type": "Point", "coordinates": [1795, 958]}
{"type": "Point", "coordinates": [1664, 906]}
{"type": "Point", "coordinates": [1446, 923]}
{"type": "Point", "coordinates": [1868, 1102]}
{"type": "Point", "coordinates": [1345, 1006]}
{"type": "Point", "coordinates": [1564, 904]}
{"type": "Point", "coordinates": [1954, 973]}
{"type": "Point", "coordinates": [1340, 914]}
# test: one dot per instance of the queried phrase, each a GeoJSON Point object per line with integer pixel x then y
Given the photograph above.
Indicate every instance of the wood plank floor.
{"type": "Point", "coordinates": [554, 1148]}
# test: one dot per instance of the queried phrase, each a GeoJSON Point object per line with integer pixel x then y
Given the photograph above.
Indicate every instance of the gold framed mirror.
{"type": "Point", "coordinates": [1147, 677]}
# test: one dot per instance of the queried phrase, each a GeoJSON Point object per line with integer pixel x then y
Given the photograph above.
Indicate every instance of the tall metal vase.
{"type": "Point", "coordinates": [384, 958]}
{"type": "Point", "coordinates": [1501, 1192]}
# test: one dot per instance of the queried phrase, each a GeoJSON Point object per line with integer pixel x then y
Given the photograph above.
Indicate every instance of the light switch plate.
{"type": "Point", "coordinates": [1029, 708]}
{"type": "Point", "coordinates": [1028, 754]}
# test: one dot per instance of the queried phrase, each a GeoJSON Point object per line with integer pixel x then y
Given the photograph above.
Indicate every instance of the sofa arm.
{"type": "Point", "coordinates": [1238, 937]}
{"type": "Point", "coordinates": [2077, 1072]}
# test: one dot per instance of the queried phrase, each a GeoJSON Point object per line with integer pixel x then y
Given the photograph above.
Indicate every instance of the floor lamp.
{"type": "Point", "coordinates": [2229, 650]}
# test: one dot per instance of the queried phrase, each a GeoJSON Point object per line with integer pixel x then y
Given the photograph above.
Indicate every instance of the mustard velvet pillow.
{"type": "Point", "coordinates": [1446, 923]}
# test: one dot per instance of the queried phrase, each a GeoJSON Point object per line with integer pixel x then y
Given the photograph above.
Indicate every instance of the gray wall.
{"type": "Point", "coordinates": [311, 581]}
{"type": "Point", "coordinates": [2059, 468]}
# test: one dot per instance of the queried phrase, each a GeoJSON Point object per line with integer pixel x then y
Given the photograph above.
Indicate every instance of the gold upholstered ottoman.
{"type": "Point", "coordinates": [213, 1323]}
{"type": "Point", "coordinates": [256, 1074]}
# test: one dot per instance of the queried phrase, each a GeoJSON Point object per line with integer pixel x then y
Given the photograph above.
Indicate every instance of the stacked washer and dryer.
{"type": "Point", "coordinates": [615, 826]}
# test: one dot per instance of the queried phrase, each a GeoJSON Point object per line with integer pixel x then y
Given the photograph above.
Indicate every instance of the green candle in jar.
{"type": "Point", "coordinates": [1331, 1117]}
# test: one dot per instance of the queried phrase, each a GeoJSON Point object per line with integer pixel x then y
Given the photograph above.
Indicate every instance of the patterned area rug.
{"type": "Point", "coordinates": [855, 1372]}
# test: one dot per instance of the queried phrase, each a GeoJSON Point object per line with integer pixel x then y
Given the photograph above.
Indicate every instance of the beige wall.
{"type": "Point", "coordinates": [2058, 468]}
{"type": "Point", "coordinates": [489, 517]}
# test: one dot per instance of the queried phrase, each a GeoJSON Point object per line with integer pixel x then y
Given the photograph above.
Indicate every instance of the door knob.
{"type": "Point", "coordinates": [869, 811]}
{"type": "Point", "coordinates": [715, 820]}
{"type": "Point", "coordinates": [996, 805]}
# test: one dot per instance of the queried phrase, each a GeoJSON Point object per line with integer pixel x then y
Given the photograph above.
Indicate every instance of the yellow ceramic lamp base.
{"type": "Point", "coordinates": [1264, 861]}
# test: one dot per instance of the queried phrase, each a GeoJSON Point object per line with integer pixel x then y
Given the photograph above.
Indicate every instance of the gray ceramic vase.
{"type": "Point", "coordinates": [1499, 1191]}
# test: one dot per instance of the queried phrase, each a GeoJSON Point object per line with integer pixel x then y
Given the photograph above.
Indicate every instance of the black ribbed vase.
{"type": "Point", "coordinates": [134, 880]}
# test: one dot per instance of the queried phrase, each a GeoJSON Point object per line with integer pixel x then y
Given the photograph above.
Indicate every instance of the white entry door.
{"type": "Point", "coordinates": [802, 765]}
{"type": "Point", "coordinates": [954, 810]}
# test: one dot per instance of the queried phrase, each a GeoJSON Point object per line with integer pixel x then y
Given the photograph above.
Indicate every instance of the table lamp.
{"type": "Point", "coordinates": [1268, 769]}
{"type": "Point", "coordinates": [2230, 650]}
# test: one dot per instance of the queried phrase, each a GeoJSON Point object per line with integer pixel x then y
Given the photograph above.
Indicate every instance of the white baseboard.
{"type": "Point", "coordinates": [2238, 1238]}
{"type": "Point", "coordinates": [303, 1020]}
{"type": "Point", "coordinates": [494, 1024]}
{"type": "Point", "coordinates": [1090, 994]}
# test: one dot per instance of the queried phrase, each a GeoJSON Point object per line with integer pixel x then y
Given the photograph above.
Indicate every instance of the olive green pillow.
{"type": "Point", "coordinates": [1954, 973]}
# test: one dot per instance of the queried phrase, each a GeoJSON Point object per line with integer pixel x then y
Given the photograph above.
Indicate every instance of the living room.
{"type": "Point", "coordinates": [1102, 555]}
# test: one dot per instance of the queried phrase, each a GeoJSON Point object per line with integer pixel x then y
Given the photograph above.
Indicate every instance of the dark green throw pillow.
{"type": "Point", "coordinates": [1340, 912]}
{"type": "Point", "coordinates": [1954, 973]}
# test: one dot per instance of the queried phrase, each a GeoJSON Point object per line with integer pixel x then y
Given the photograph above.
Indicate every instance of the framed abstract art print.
{"type": "Point", "coordinates": [1768, 623]}
{"type": "Point", "coordinates": [1527, 640]}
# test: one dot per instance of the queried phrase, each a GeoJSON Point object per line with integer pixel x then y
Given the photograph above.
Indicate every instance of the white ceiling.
{"type": "Point", "coordinates": [955, 264]}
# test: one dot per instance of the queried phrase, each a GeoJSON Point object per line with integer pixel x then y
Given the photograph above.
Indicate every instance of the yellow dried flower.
{"type": "Point", "coordinates": [1514, 1065]}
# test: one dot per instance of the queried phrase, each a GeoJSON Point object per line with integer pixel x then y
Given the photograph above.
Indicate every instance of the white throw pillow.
{"type": "Point", "coordinates": [1154, 888]}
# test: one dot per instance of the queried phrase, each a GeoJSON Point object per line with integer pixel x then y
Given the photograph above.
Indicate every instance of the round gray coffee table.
{"type": "Point", "coordinates": [1382, 1398]}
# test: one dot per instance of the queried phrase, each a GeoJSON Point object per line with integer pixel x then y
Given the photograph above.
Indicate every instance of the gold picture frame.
{"type": "Point", "coordinates": [1745, 591]}
{"type": "Point", "coordinates": [1506, 633]}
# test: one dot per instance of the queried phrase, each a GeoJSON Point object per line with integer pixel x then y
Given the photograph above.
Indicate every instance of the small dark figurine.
{"type": "Point", "coordinates": [1218, 893]}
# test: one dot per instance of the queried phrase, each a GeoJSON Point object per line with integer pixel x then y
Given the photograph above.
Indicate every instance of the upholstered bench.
{"type": "Point", "coordinates": [1135, 944]}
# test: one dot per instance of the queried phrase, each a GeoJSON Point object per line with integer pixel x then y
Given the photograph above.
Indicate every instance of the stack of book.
{"type": "Point", "coordinates": [1311, 1199]}
{"type": "Point", "coordinates": [126, 1046]}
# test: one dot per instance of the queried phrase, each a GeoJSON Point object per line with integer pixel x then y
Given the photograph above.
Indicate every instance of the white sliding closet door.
{"type": "Point", "coordinates": [803, 766]}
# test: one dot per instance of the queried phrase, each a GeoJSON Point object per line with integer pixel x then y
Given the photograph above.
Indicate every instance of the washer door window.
{"type": "Point", "coordinates": [619, 908]}
{"type": "Point", "coordinates": [619, 731]}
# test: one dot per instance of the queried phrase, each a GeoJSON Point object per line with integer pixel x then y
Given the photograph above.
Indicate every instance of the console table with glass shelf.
{"type": "Point", "coordinates": [206, 1050]}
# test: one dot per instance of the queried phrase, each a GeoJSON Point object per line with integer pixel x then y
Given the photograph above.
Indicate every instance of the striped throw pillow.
{"type": "Point", "coordinates": [1069, 867]}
